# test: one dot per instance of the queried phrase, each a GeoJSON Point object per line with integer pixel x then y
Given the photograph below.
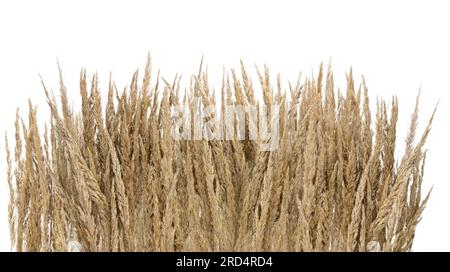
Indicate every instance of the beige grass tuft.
{"type": "Point", "coordinates": [110, 177]}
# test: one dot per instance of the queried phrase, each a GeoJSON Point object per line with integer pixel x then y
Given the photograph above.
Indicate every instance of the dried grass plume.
{"type": "Point", "coordinates": [110, 176]}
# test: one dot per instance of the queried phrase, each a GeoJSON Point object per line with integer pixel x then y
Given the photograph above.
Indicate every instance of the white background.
{"type": "Point", "coordinates": [397, 45]}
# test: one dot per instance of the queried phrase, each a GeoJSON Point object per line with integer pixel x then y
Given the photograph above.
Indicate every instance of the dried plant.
{"type": "Point", "coordinates": [113, 178]}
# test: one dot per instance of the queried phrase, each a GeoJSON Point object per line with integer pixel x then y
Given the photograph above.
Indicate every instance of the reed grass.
{"type": "Point", "coordinates": [110, 176]}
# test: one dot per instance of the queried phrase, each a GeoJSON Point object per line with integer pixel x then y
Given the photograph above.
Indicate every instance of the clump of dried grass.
{"type": "Point", "coordinates": [113, 179]}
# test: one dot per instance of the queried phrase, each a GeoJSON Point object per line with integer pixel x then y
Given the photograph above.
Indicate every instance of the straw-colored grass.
{"type": "Point", "coordinates": [110, 176]}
